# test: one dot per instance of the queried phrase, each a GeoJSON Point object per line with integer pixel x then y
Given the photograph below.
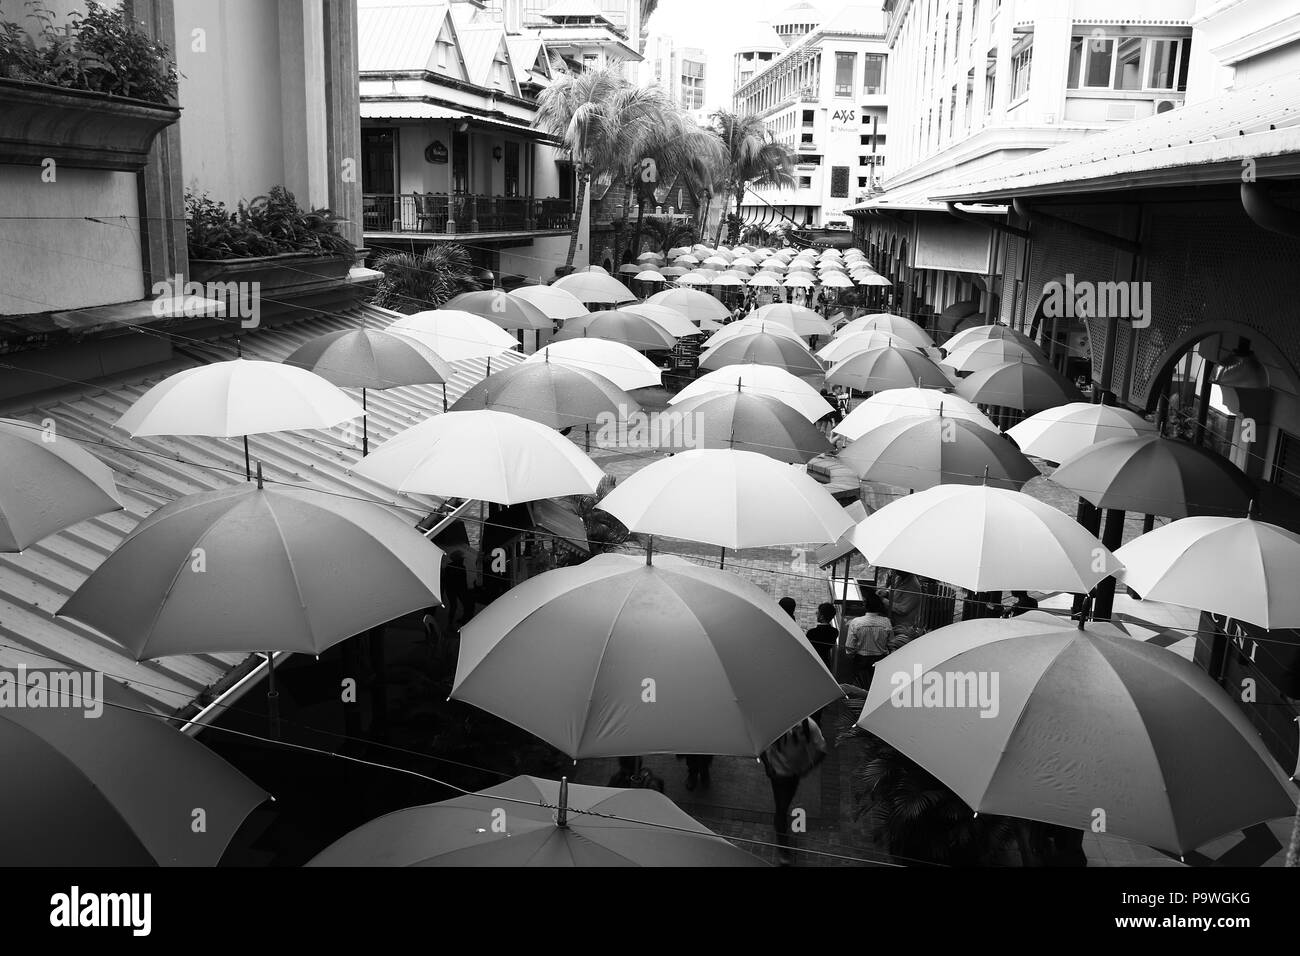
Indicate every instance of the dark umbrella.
{"type": "Point", "coordinates": [507, 311]}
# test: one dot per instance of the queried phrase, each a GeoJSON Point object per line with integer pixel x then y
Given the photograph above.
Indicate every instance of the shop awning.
{"type": "Point", "coordinates": [419, 109]}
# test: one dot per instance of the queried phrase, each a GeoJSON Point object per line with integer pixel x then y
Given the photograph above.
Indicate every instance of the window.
{"type": "Point", "coordinates": [1164, 64]}
{"type": "Point", "coordinates": [952, 111]}
{"type": "Point", "coordinates": [845, 70]}
{"type": "Point", "coordinates": [512, 169]}
{"type": "Point", "coordinates": [377, 146]}
{"type": "Point", "coordinates": [956, 34]}
{"type": "Point", "coordinates": [1101, 55]}
{"type": "Point", "coordinates": [443, 53]}
{"type": "Point", "coordinates": [1020, 64]}
{"type": "Point", "coordinates": [807, 117]}
{"type": "Point", "coordinates": [862, 182]}
{"type": "Point", "coordinates": [1286, 463]}
{"type": "Point", "coordinates": [805, 182]}
{"type": "Point", "coordinates": [459, 162]}
{"type": "Point", "coordinates": [974, 20]}
{"type": "Point", "coordinates": [873, 79]}
{"type": "Point", "coordinates": [591, 61]}
{"type": "Point", "coordinates": [1127, 63]}
{"type": "Point", "coordinates": [970, 96]}
{"type": "Point", "coordinates": [990, 81]}
{"type": "Point", "coordinates": [839, 182]}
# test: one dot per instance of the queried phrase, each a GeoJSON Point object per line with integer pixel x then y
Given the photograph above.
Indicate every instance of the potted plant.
{"type": "Point", "coordinates": [93, 92]}
{"type": "Point", "coordinates": [271, 240]}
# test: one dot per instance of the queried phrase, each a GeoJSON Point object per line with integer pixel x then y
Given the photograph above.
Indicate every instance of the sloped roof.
{"type": "Point", "coordinates": [398, 36]}
{"type": "Point", "coordinates": [479, 46]}
{"type": "Point", "coordinates": [757, 35]}
{"type": "Point", "coordinates": [856, 19]}
{"type": "Point", "coordinates": [525, 54]}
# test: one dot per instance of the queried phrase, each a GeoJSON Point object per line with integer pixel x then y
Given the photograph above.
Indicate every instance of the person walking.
{"type": "Point", "coordinates": [455, 591]}
{"type": "Point", "coordinates": [902, 599]}
{"type": "Point", "coordinates": [790, 758]}
{"type": "Point", "coordinates": [825, 635]}
{"type": "Point", "coordinates": [868, 640]}
{"type": "Point", "coordinates": [697, 770]}
{"type": "Point", "coordinates": [788, 605]}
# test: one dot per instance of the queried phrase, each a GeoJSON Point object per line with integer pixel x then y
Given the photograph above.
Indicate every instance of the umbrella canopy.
{"type": "Point", "coordinates": [1240, 567]}
{"type": "Point", "coordinates": [831, 265]}
{"type": "Point", "coordinates": [650, 257]}
{"type": "Point", "coordinates": [455, 335]}
{"type": "Point", "coordinates": [648, 276]}
{"type": "Point", "coordinates": [118, 789]}
{"type": "Point", "coordinates": [1028, 386]}
{"type": "Point", "coordinates": [978, 333]}
{"type": "Point", "coordinates": [501, 308]}
{"type": "Point", "coordinates": [745, 262]}
{"type": "Point", "coordinates": [746, 422]}
{"type": "Point", "coordinates": [762, 348]}
{"type": "Point", "coordinates": [625, 367]}
{"type": "Point", "coordinates": [732, 499]}
{"type": "Point", "coordinates": [616, 325]}
{"type": "Point", "coordinates": [552, 394]}
{"type": "Point", "coordinates": [598, 826]}
{"type": "Point", "coordinates": [594, 287]}
{"type": "Point", "coordinates": [774, 263]}
{"type": "Point", "coordinates": [798, 280]}
{"type": "Point", "coordinates": [371, 358]}
{"type": "Point", "coordinates": [630, 268]}
{"type": "Point", "coordinates": [692, 304]}
{"type": "Point", "coordinates": [598, 270]}
{"type": "Point", "coordinates": [697, 278]}
{"type": "Point", "coordinates": [986, 353]}
{"type": "Point", "coordinates": [670, 320]}
{"type": "Point", "coordinates": [47, 485]}
{"type": "Point", "coordinates": [762, 281]}
{"type": "Point", "coordinates": [896, 403]}
{"type": "Point", "coordinates": [484, 456]}
{"type": "Point", "coordinates": [750, 325]}
{"type": "Point", "coordinates": [802, 320]}
{"type": "Point", "coordinates": [905, 329]}
{"type": "Point", "coordinates": [846, 346]}
{"type": "Point", "coordinates": [984, 539]}
{"type": "Point", "coordinates": [686, 260]}
{"type": "Point", "coordinates": [672, 272]}
{"type": "Point", "coordinates": [574, 655]}
{"type": "Point", "coordinates": [837, 280]}
{"type": "Point", "coordinates": [257, 569]}
{"type": "Point", "coordinates": [555, 304]}
{"type": "Point", "coordinates": [718, 262]}
{"type": "Point", "coordinates": [763, 380]}
{"type": "Point", "coordinates": [875, 280]}
{"type": "Point", "coordinates": [677, 251]}
{"type": "Point", "coordinates": [927, 450]}
{"type": "Point", "coordinates": [1154, 475]}
{"type": "Point", "coordinates": [888, 367]}
{"type": "Point", "coordinates": [729, 280]}
{"type": "Point", "coordinates": [1079, 719]}
{"type": "Point", "coordinates": [239, 397]}
{"type": "Point", "coordinates": [1058, 433]}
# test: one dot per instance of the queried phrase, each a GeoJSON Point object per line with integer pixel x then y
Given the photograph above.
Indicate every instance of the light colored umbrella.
{"type": "Point", "coordinates": [762, 281]}
{"type": "Point", "coordinates": [1154, 475]}
{"type": "Point", "coordinates": [728, 498]}
{"type": "Point", "coordinates": [728, 280]}
{"type": "Point", "coordinates": [695, 278]}
{"type": "Point", "coordinates": [595, 287]}
{"type": "Point", "coordinates": [556, 304]}
{"type": "Point", "coordinates": [616, 325]}
{"type": "Point", "coordinates": [980, 332]}
{"type": "Point", "coordinates": [1057, 433]}
{"type": "Point", "coordinates": [744, 421]}
{"type": "Point", "coordinates": [836, 280]}
{"type": "Point", "coordinates": [597, 270]}
{"type": "Point", "coordinates": [649, 276]}
{"type": "Point", "coordinates": [750, 325]}
{"type": "Point", "coordinates": [672, 272]}
{"type": "Point", "coordinates": [630, 268]}
{"type": "Point", "coordinates": [744, 262]}
{"type": "Point", "coordinates": [802, 320]}
{"type": "Point", "coordinates": [625, 367]}
{"type": "Point", "coordinates": [552, 394]}
{"type": "Point", "coordinates": [1080, 721]}
{"type": "Point", "coordinates": [455, 335]}
{"type": "Point", "coordinates": [897, 325]}
{"type": "Point", "coordinates": [485, 456]}
{"type": "Point", "coordinates": [927, 450]}
{"type": "Point", "coordinates": [114, 788]}
{"type": "Point", "coordinates": [799, 281]}
{"type": "Point", "coordinates": [741, 274]}
{"type": "Point", "coordinates": [896, 403]}
{"type": "Point", "coordinates": [847, 346]}
{"type": "Point", "coordinates": [501, 308]}
{"type": "Point", "coordinates": [1240, 567]}
{"type": "Point", "coordinates": [47, 483]}
{"type": "Point", "coordinates": [986, 353]}
{"type": "Point", "coordinates": [875, 280]}
{"type": "Point", "coordinates": [692, 304]}
{"type": "Point", "coordinates": [1028, 386]}
{"type": "Point", "coordinates": [719, 262]}
{"type": "Point", "coordinates": [885, 368]}
{"type": "Point", "coordinates": [763, 380]}
{"type": "Point", "coordinates": [618, 656]}
{"type": "Point", "coordinates": [984, 539]}
{"type": "Point", "coordinates": [775, 264]}
{"type": "Point", "coordinates": [763, 348]}
{"type": "Point", "coordinates": [831, 266]}
{"type": "Point", "coordinates": [687, 260]}
{"type": "Point", "coordinates": [678, 251]}
{"type": "Point", "coordinates": [543, 823]}
{"type": "Point", "coordinates": [672, 321]}
{"type": "Point", "coordinates": [256, 569]}
{"type": "Point", "coordinates": [650, 257]}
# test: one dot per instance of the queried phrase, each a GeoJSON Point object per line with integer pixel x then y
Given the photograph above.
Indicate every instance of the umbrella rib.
{"type": "Point", "coordinates": [595, 673]}
{"type": "Point", "coordinates": [297, 584]}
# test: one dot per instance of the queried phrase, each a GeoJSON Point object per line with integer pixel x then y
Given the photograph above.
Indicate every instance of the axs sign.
{"type": "Point", "coordinates": [844, 121]}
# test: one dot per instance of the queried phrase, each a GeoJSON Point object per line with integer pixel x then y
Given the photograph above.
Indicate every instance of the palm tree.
{"type": "Point", "coordinates": [414, 283]}
{"type": "Point", "coordinates": [600, 118]}
{"type": "Point", "coordinates": [678, 148]}
{"type": "Point", "coordinates": [754, 158]}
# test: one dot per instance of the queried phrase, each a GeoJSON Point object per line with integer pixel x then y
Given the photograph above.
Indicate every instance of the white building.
{"type": "Point", "coordinates": [682, 72]}
{"type": "Point", "coordinates": [825, 97]}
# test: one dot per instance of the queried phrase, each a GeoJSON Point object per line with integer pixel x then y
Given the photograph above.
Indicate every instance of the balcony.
{"type": "Point", "coordinates": [435, 214]}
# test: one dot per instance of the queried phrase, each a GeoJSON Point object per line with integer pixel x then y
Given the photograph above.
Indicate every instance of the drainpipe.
{"type": "Point", "coordinates": [1266, 214]}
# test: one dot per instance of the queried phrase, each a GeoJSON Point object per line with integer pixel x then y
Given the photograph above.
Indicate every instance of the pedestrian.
{"type": "Point", "coordinates": [868, 640]}
{"type": "Point", "coordinates": [825, 635]}
{"type": "Point", "coordinates": [791, 757]}
{"type": "Point", "coordinates": [697, 770]}
{"type": "Point", "coordinates": [788, 605]}
{"type": "Point", "coordinates": [902, 598]}
{"type": "Point", "coordinates": [455, 591]}
{"type": "Point", "coordinates": [1019, 604]}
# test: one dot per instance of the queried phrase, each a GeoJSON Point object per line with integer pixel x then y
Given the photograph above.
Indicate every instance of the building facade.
{"type": "Point", "coordinates": [682, 73]}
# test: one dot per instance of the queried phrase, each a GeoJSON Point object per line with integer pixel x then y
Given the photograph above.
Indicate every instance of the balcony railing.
{"type": "Point", "coordinates": [439, 213]}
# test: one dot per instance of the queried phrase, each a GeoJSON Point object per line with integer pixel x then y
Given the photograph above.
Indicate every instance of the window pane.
{"type": "Point", "coordinates": [1164, 60]}
{"type": "Point", "coordinates": [845, 67]}
{"type": "Point", "coordinates": [1128, 74]}
{"type": "Point", "coordinates": [874, 74]}
{"type": "Point", "coordinates": [1183, 60]}
{"type": "Point", "coordinates": [1076, 64]}
{"type": "Point", "coordinates": [1099, 57]}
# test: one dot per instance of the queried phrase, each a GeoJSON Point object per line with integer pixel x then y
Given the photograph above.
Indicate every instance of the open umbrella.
{"type": "Point", "coordinates": [1028, 386]}
{"type": "Point", "coordinates": [897, 325]}
{"type": "Point", "coordinates": [1240, 567]}
{"type": "Point", "coordinates": [630, 268]}
{"type": "Point", "coordinates": [618, 656]}
{"type": "Point", "coordinates": [927, 450]}
{"type": "Point", "coordinates": [845, 347]}
{"type": "Point", "coordinates": [984, 539]}
{"type": "Point", "coordinates": [552, 394]}
{"type": "Point", "coordinates": [980, 332]}
{"type": "Point", "coordinates": [1158, 476]}
{"type": "Point", "coordinates": [731, 281]}
{"type": "Point", "coordinates": [47, 483]}
{"type": "Point", "coordinates": [455, 335]}
{"type": "Point", "coordinates": [1038, 719]}
{"type": "Point", "coordinates": [670, 320]}
{"type": "Point", "coordinates": [650, 257]}
{"type": "Point", "coordinates": [802, 320]}
{"type": "Point", "coordinates": [1057, 433]}
{"type": "Point", "coordinates": [699, 278]}
{"type": "Point", "coordinates": [836, 280]}
{"type": "Point", "coordinates": [763, 348]}
{"type": "Point", "coordinates": [594, 287]}
{"type": "Point", "coordinates": [799, 280]}
{"type": "Point", "coordinates": [649, 275]}
{"type": "Point", "coordinates": [763, 380]}
{"type": "Point", "coordinates": [556, 304]}
{"type": "Point", "coordinates": [874, 280]}
{"type": "Point", "coordinates": [485, 456]}
{"type": "Point", "coordinates": [886, 368]}
{"type": "Point", "coordinates": [625, 367]}
{"type": "Point", "coordinates": [744, 421]}
{"type": "Point", "coordinates": [764, 281]}
{"type": "Point", "coordinates": [673, 272]}
{"type": "Point", "coordinates": [985, 353]}
{"type": "Point", "coordinates": [528, 821]}
{"type": "Point", "coordinates": [502, 308]}
{"type": "Point", "coordinates": [748, 326]}
{"type": "Point", "coordinates": [118, 789]}
{"type": "Point", "coordinates": [616, 325]}
{"type": "Point", "coordinates": [692, 304]}
{"type": "Point", "coordinates": [896, 403]}
{"type": "Point", "coordinates": [728, 498]}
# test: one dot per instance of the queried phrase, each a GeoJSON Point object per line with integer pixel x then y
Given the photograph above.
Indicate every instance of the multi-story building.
{"type": "Point", "coordinates": [588, 34]}
{"type": "Point", "coordinates": [682, 72]}
{"type": "Point", "coordinates": [824, 97]}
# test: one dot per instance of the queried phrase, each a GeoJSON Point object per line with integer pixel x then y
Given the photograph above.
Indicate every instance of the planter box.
{"type": "Point", "coordinates": [288, 269]}
{"type": "Point", "coordinates": [77, 128]}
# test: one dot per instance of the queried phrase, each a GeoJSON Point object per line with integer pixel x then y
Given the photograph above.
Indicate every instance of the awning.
{"type": "Point", "coordinates": [916, 197]}
{"type": "Point", "coordinates": [418, 109]}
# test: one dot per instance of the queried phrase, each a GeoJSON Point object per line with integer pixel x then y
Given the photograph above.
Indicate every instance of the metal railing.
{"type": "Point", "coordinates": [440, 213]}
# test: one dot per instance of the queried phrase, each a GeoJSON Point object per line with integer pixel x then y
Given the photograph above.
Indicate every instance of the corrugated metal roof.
{"type": "Point", "coordinates": [524, 54]}
{"type": "Point", "coordinates": [479, 46]}
{"type": "Point", "coordinates": [152, 471]}
{"type": "Point", "coordinates": [398, 37]}
{"type": "Point", "coordinates": [1254, 123]}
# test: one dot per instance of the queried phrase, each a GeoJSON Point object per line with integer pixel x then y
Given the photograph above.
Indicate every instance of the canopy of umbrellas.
{"type": "Point", "coordinates": [756, 268]}
{"type": "Point", "coordinates": [630, 654]}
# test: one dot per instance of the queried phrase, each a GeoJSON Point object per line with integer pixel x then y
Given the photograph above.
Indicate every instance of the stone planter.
{"type": "Point", "coordinates": [280, 271]}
